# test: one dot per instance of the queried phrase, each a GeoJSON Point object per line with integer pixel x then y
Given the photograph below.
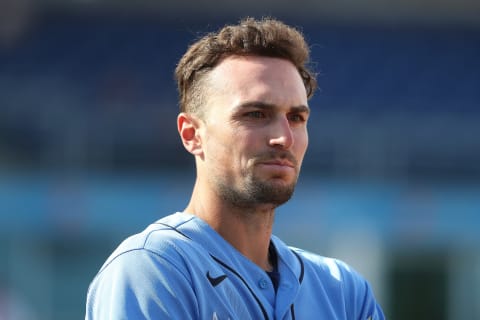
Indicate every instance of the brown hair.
{"type": "Point", "coordinates": [267, 37]}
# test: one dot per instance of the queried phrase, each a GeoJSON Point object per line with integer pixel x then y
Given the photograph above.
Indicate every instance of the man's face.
{"type": "Point", "coordinates": [254, 132]}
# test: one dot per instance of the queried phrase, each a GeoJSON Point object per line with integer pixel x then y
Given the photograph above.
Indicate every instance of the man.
{"type": "Point", "coordinates": [244, 109]}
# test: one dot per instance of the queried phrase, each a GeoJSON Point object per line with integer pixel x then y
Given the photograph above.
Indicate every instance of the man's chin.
{"type": "Point", "coordinates": [275, 192]}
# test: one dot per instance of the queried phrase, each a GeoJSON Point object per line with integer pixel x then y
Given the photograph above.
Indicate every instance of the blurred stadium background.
{"type": "Point", "coordinates": [89, 152]}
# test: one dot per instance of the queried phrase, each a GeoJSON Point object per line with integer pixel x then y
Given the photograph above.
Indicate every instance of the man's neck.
{"type": "Point", "coordinates": [249, 233]}
{"type": "Point", "coordinates": [246, 229]}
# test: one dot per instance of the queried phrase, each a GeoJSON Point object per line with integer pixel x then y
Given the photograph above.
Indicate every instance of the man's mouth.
{"type": "Point", "coordinates": [279, 163]}
{"type": "Point", "coordinates": [280, 159]}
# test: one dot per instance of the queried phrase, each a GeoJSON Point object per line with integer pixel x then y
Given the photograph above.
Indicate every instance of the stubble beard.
{"type": "Point", "coordinates": [255, 192]}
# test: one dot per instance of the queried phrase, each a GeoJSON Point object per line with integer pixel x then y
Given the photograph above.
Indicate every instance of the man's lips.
{"type": "Point", "coordinates": [284, 161]}
{"type": "Point", "coordinates": [280, 163]}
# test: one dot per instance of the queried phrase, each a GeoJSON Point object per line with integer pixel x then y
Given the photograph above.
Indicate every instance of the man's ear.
{"type": "Point", "coordinates": [188, 128]}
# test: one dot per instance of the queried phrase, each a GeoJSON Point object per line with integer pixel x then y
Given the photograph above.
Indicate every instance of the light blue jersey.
{"type": "Point", "coordinates": [180, 268]}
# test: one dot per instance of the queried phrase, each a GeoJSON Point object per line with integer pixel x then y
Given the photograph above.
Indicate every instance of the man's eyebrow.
{"type": "Point", "coordinates": [270, 106]}
{"type": "Point", "coordinates": [301, 108]}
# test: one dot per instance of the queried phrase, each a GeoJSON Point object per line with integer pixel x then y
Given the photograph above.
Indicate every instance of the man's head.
{"type": "Point", "coordinates": [244, 92]}
{"type": "Point", "coordinates": [267, 37]}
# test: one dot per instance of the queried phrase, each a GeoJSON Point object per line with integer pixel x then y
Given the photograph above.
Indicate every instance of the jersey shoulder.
{"type": "Point", "coordinates": [159, 239]}
{"type": "Point", "coordinates": [146, 273]}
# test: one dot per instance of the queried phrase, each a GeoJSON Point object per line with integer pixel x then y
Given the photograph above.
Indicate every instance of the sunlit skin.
{"type": "Point", "coordinates": [248, 144]}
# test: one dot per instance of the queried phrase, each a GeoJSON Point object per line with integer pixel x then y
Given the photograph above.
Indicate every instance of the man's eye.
{"type": "Point", "coordinates": [255, 114]}
{"type": "Point", "coordinates": [296, 118]}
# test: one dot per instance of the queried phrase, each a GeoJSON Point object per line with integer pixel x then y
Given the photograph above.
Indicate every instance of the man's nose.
{"type": "Point", "coordinates": [281, 134]}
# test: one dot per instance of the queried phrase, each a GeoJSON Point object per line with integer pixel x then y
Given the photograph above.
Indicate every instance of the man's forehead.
{"type": "Point", "coordinates": [258, 76]}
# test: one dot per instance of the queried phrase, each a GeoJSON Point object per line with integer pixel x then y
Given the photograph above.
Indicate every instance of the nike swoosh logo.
{"type": "Point", "coordinates": [215, 281]}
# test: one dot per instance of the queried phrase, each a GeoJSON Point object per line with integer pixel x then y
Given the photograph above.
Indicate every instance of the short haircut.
{"type": "Point", "coordinates": [267, 37]}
